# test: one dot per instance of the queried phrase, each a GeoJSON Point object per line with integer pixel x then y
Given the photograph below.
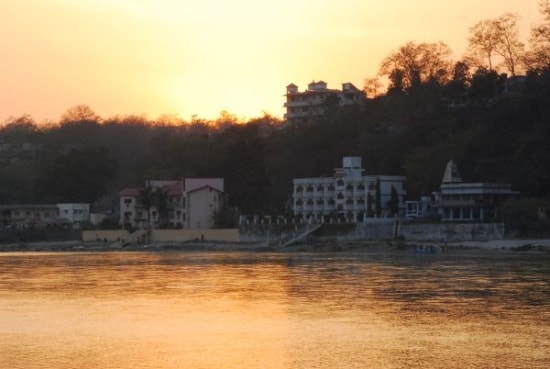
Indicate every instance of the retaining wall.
{"type": "Point", "coordinates": [165, 235]}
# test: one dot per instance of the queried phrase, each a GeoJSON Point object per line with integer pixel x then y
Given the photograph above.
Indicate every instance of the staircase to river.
{"type": "Point", "coordinates": [298, 235]}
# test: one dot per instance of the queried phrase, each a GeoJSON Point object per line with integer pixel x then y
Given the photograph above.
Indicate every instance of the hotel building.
{"type": "Point", "coordinates": [349, 195]}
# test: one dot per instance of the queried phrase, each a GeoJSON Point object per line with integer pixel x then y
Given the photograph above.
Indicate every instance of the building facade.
{"type": "Point", "coordinates": [24, 216]}
{"type": "Point", "coordinates": [76, 214]}
{"type": "Point", "coordinates": [459, 201]}
{"type": "Point", "coordinates": [187, 204]}
{"type": "Point", "coordinates": [312, 103]}
{"type": "Point", "coordinates": [348, 195]}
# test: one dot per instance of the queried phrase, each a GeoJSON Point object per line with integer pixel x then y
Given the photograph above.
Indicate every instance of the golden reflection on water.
{"type": "Point", "coordinates": [240, 310]}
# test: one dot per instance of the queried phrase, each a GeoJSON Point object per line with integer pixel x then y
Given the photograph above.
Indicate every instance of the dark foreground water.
{"type": "Point", "coordinates": [245, 310]}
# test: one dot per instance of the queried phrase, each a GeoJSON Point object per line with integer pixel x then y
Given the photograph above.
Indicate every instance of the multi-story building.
{"type": "Point", "coordinates": [22, 216]}
{"type": "Point", "coordinates": [189, 203]}
{"type": "Point", "coordinates": [75, 213]}
{"type": "Point", "coordinates": [457, 200]}
{"type": "Point", "coordinates": [313, 103]}
{"type": "Point", "coordinates": [348, 195]}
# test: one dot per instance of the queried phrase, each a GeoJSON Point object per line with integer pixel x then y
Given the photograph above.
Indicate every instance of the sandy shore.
{"type": "Point", "coordinates": [505, 245]}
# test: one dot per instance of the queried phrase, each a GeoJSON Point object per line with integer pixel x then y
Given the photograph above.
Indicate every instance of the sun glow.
{"type": "Point", "coordinates": [188, 57]}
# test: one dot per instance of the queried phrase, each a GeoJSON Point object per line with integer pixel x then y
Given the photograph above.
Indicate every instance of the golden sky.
{"type": "Point", "coordinates": [200, 57]}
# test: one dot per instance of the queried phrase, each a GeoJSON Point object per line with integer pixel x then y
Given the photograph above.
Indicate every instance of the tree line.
{"type": "Point", "coordinates": [433, 110]}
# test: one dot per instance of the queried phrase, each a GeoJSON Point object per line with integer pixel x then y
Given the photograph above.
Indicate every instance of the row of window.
{"type": "Point", "coordinates": [349, 187]}
{"type": "Point", "coordinates": [300, 202]}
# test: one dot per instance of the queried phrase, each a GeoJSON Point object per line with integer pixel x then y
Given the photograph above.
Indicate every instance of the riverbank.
{"type": "Point", "coordinates": [504, 245]}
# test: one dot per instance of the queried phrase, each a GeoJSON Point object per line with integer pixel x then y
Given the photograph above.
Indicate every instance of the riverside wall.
{"type": "Point", "coordinates": [380, 229]}
{"type": "Point", "coordinates": [163, 235]}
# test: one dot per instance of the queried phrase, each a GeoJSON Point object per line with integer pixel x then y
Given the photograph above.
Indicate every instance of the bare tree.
{"type": "Point", "coordinates": [496, 37]}
{"type": "Point", "coordinates": [482, 44]}
{"type": "Point", "coordinates": [538, 57]}
{"type": "Point", "coordinates": [418, 63]}
{"type": "Point", "coordinates": [509, 47]}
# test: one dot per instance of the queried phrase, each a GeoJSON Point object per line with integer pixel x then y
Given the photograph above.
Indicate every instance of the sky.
{"type": "Point", "coordinates": [198, 58]}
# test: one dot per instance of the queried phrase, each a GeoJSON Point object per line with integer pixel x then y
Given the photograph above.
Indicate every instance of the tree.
{"type": "Point", "coordinates": [79, 175]}
{"type": "Point", "coordinates": [370, 213]}
{"type": "Point", "coordinates": [538, 57]}
{"type": "Point", "coordinates": [372, 87]}
{"type": "Point", "coordinates": [486, 83]}
{"type": "Point", "coordinates": [161, 202]}
{"type": "Point", "coordinates": [482, 43]}
{"type": "Point", "coordinates": [413, 64]}
{"type": "Point", "coordinates": [509, 47]}
{"type": "Point", "coordinates": [393, 202]}
{"type": "Point", "coordinates": [147, 200]}
{"type": "Point", "coordinates": [498, 36]}
{"type": "Point", "coordinates": [378, 198]}
{"type": "Point", "coordinates": [461, 80]}
{"type": "Point", "coordinates": [79, 113]}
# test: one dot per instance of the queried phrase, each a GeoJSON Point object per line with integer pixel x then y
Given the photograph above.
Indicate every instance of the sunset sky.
{"type": "Point", "coordinates": [184, 57]}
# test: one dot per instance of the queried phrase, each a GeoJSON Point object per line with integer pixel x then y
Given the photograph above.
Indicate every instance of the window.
{"type": "Point", "coordinates": [309, 188]}
{"type": "Point", "coordinates": [361, 187]}
{"type": "Point", "coordinates": [331, 187]}
{"type": "Point", "coordinates": [299, 189]}
{"type": "Point", "coordinates": [340, 196]}
{"type": "Point", "coordinates": [320, 202]}
{"type": "Point", "coordinates": [320, 188]}
{"type": "Point", "coordinates": [349, 187]}
{"type": "Point", "coordinates": [340, 182]}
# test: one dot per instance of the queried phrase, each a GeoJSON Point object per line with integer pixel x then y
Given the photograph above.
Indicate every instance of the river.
{"type": "Point", "coordinates": [272, 310]}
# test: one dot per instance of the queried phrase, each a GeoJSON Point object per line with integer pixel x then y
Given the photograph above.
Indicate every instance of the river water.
{"type": "Point", "coordinates": [264, 310]}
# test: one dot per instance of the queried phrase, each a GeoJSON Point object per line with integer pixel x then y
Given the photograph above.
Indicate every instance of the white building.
{"type": "Point", "coordinates": [22, 216]}
{"type": "Point", "coordinates": [312, 103]}
{"type": "Point", "coordinates": [75, 213]}
{"type": "Point", "coordinates": [348, 195]}
{"type": "Point", "coordinates": [457, 200]}
{"type": "Point", "coordinates": [190, 203]}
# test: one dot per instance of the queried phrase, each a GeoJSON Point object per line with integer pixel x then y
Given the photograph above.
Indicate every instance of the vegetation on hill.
{"type": "Point", "coordinates": [497, 128]}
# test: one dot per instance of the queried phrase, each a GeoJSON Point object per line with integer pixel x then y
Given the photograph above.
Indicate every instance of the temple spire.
{"type": "Point", "coordinates": [452, 175]}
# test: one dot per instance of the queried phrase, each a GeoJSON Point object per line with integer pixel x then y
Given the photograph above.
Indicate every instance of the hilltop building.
{"type": "Point", "coordinates": [457, 200]}
{"type": "Point", "coordinates": [348, 195]}
{"type": "Point", "coordinates": [313, 103]}
{"type": "Point", "coordinates": [189, 203]}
